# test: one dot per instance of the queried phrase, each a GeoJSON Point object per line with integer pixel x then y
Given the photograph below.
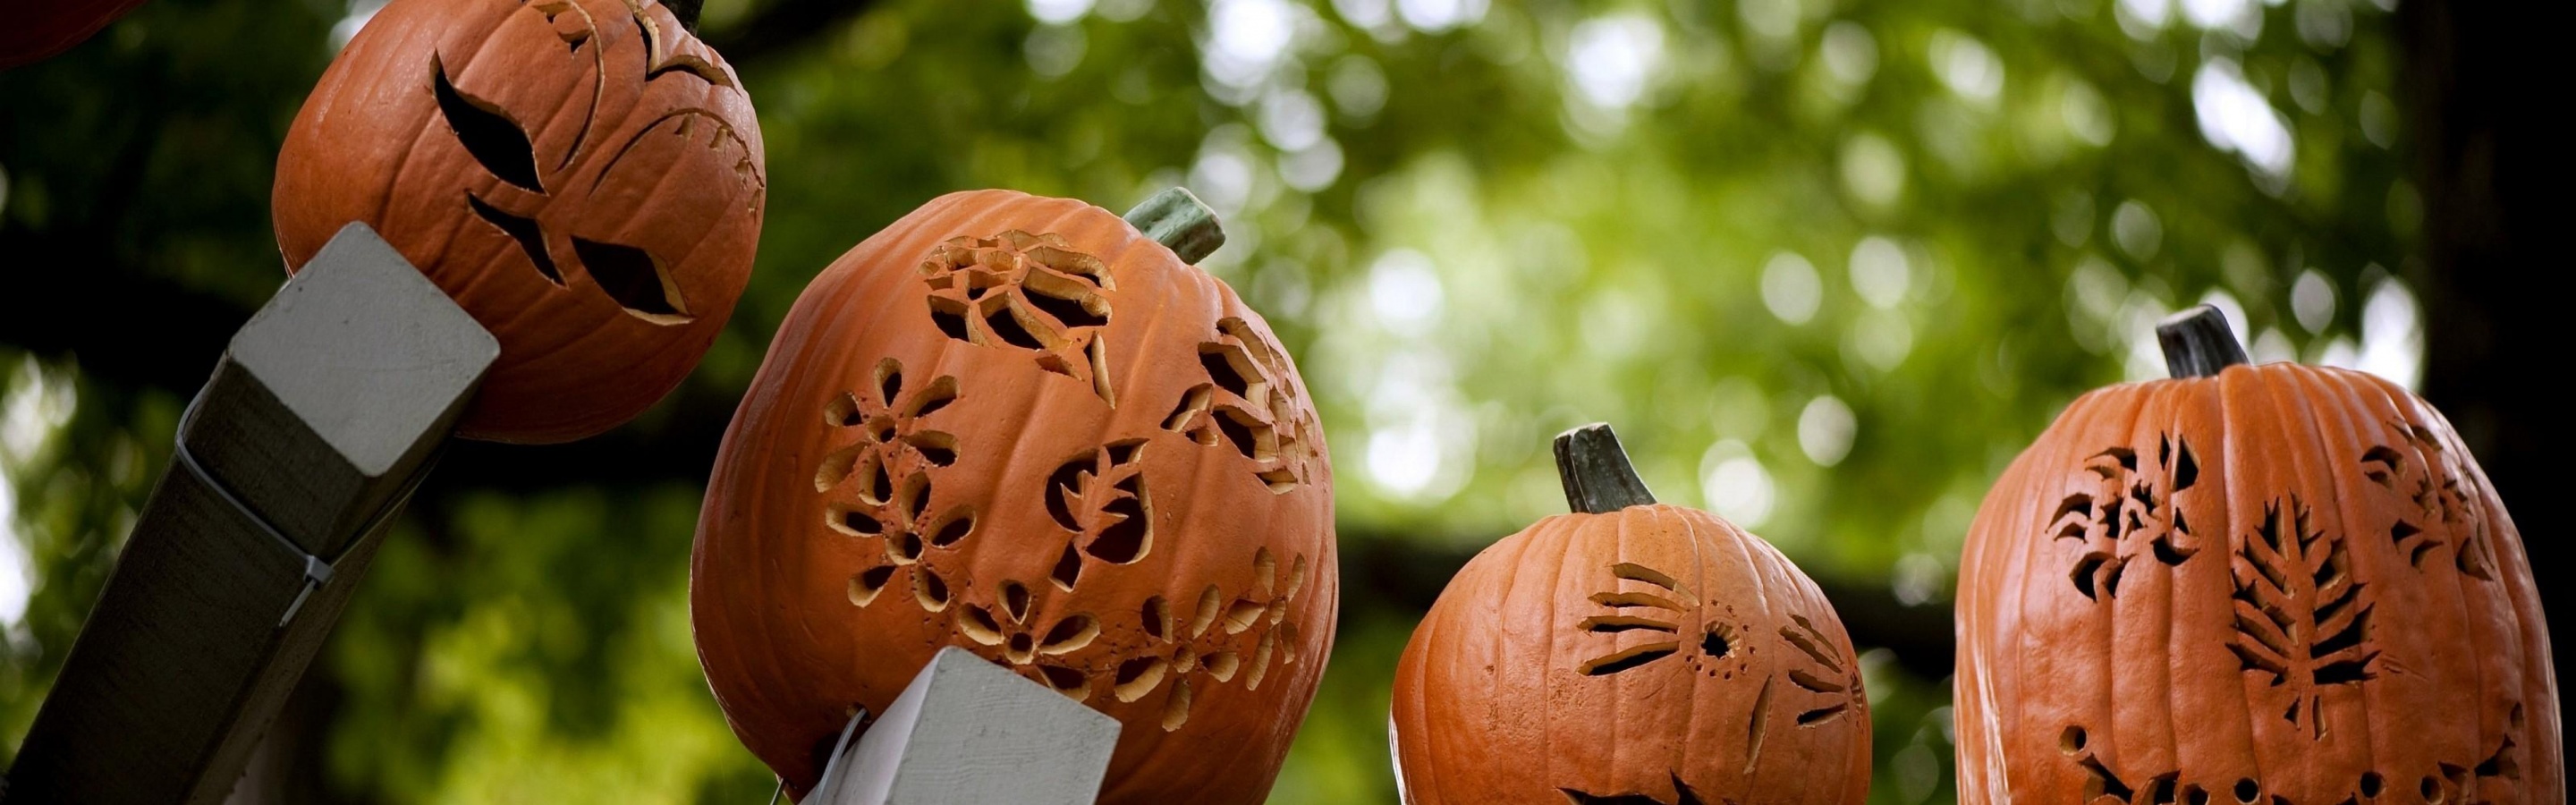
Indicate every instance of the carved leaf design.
{"type": "Point", "coordinates": [1829, 674]}
{"type": "Point", "coordinates": [2301, 616]}
{"type": "Point", "coordinates": [1101, 498]}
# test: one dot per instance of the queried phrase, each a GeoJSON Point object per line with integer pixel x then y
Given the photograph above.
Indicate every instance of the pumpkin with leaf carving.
{"type": "Point", "coordinates": [2279, 584]}
{"type": "Point", "coordinates": [1629, 653]}
{"type": "Point", "coordinates": [583, 176]}
{"type": "Point", "coordinates": [1029, 428]}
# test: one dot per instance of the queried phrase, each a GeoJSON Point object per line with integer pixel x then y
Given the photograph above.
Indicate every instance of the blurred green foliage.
{"type": "Point", "coordinates": [1826, 264]}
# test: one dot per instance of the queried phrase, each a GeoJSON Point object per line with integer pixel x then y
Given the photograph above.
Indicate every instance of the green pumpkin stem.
{"type": "Point", "coordinates": [2198, 344]}
{"type": "Point", "coordinates": [1180, 222]}
{"type": "Point", "coordinates": [1596, 473]}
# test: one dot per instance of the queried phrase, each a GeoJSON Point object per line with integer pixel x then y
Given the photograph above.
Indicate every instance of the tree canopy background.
{"type": "Point", "coordinates": [1826, 264]}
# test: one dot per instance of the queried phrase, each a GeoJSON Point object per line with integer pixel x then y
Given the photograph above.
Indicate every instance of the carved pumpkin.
{"type": "Point", "coordinates": [1020, 425]}
{"type": "Point", "coordinates": [583, 176]}
{"type": "Point", "coordinates": [1629, 653]}
{"type": "Point", "coordinates": [39, 29]}
{"type": "Point", "coordinates": [2283, 584]}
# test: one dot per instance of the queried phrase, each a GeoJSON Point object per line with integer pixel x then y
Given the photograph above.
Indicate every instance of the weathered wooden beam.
{"type": "Point", "coordinates": [327, 408]}
{"type": "Point", "coordinates": [967, 732]}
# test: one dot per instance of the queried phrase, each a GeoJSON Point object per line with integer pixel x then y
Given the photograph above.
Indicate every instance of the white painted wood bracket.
{"type": "Point", "coordinates": [968, 732]}
{"type": "Point", "coordinates": [325, 411]}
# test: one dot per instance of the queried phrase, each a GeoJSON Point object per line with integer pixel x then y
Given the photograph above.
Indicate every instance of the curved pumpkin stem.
{"type": "Point", "coordinates": [2198, 344]}
{"type": "Point", "coordinates": [1180, 222]}
{"type": "Point", "coordinates": [1596, 473]}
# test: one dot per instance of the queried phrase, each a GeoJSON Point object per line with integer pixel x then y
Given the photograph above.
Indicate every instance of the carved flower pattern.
{"type": "Point", "coordinates": [2129, 512]}
{"type": "Point", "coordinates": [1205, 648]}
{"type": "Point", "coordinates": [2428, 494]}
{"type": "Point", "coordinates": [1004, 624]}
{"type": "Point", "coordinates": [1246, 405]}
{"type": "Point", "coordinates": [886, 471]}
{"type": "Point", "coordinates": [1027, 292]}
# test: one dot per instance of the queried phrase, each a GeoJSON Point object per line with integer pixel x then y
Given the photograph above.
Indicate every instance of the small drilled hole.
{"type": "Point", "coordinates": [2247, 791]}
{"type": "Point", "coordinates": [2071, 741]}
{"type": "Point", "coordinates": [2371, 784]}
{"type": "Point", "coordinates": [2432, 789]}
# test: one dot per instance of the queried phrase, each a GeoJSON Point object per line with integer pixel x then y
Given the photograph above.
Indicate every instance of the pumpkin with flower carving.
{"type": "Point", "coordinates": [2278, 584]}
{"type": "Point", "coordinates": [1027, 427]}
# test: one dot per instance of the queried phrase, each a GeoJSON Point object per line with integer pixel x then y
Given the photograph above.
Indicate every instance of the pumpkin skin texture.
{"type": "Point", "coordinates": [929, 457]}
{"type": "Point", "coordinates": [1651, 653]}
{"type": "Point", "coordinates": [584, 177]}
{"type": "Point", "coordinates": [40, 29]}
{"type": "Point", "coordinates": [2281, 584]}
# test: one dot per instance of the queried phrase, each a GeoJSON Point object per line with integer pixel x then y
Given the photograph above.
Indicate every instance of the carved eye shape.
{"type": "Point", "coordinates": [485, 132]}
{"type": "Point", "coordinates": [524, 230]}
{"type": "Point", "coordinates": [633, 278]}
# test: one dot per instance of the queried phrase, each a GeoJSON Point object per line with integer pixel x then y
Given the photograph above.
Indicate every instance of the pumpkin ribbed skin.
{"type": "Point", "coordinates": [2282, 584]}
{"type": "Point", "coordinates": [585, 181]}
{"type": "Point", "coordinates": [1170, 570]}
{"type": "Point", "coordinates": [1655, 652]}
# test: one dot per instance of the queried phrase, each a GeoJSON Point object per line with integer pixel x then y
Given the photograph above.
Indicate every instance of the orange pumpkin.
{"type": "Point", "coordinates": [2283, 584]}
{"type": "Point", "coordinates": [1020, 425]}
{"type": "Point", "coordinates": [1630, 652]}
{"type": "Point", "coordinates": [583, 176]}
{"type": "Point", "coordinates": [39, 29]}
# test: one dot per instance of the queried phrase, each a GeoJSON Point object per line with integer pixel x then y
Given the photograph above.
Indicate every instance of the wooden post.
{"type": "Point", "coordinates": [968, 732]}
{"type": "Point", "coordinates": [326, 410]}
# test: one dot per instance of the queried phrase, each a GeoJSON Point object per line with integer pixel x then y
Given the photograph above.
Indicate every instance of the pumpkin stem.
{"type": "Point", "coordinates": [1180, 222]}
{"type": "Point", "coordinates": [1596, 473]}
{"type": "Point", "coordinates": [2198, 344]}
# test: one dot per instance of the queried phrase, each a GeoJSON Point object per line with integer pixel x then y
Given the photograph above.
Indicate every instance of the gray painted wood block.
{"type": "Point", "coordinates": [325, 411]}
{"type": "Point", "coordinates": [967, 732]}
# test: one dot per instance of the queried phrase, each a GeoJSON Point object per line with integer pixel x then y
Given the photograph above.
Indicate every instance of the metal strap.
{"type": "Point", "coordinates": [317, 572]}
{"type": "Point", "coordinates": [822, 792]}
